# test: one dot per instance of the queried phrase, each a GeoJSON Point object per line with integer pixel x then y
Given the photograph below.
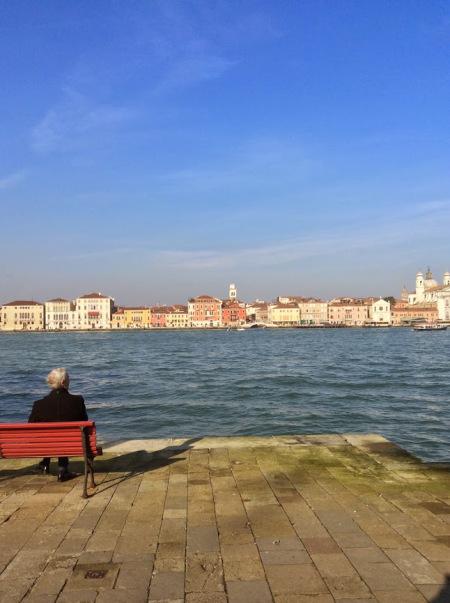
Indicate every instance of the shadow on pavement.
{"type": "Point", "coordinates": [130, 464]}
{"type": "Point", "coordinates": [444, 595]}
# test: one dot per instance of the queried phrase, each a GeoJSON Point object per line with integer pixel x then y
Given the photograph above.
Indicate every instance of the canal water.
{"type": "Point", "coordinates": [146, 384]}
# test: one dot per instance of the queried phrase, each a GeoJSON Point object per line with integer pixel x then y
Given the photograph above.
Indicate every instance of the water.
{"type": "Point", "coordinates": [144, 384]}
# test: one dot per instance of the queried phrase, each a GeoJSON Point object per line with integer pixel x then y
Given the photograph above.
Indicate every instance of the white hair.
{"type": "Point", "coordinates": [57, 378]}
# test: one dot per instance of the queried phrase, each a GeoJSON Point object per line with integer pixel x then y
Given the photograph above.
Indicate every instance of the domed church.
{"type": "Point", "coordinates": [428, 290]}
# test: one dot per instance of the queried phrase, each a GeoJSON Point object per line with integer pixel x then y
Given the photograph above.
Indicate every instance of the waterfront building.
{"type": "Point", "coordinates": [23, 316]}
{"type": "Point", "coordinates": [158, 316]}
{"type": "Point", "coordinates": [233, 313]}
{"type": "Point", "coordinates": [118, 320]}
{"type": "Point", "coordinates": [284, 315]}
{"type": "Point", "coordinates": [425, 312]}
{"type": "Point", "coordinates": [349, 312]}
{"type": "Point", "coordinates": [131, 317]}
{"type": "Point", "coordinates": [60, 315]}
{"type": "Point", "coordinates": [313, 311]}
{"type": "Point", "coordinates": [177, 317]}
{"type": "Point", "coordinates": [257, 311]}
{"type": "Point", "coordinates": [205, 311]}
{"type": "Point", "coordinates": [381, 312]}
{"type": "Point", "coordinates": [137, 317]}
{"type": "Point", "coordinates": [428, 290]}
{"type": "Point", "coordinates": [94, 311]}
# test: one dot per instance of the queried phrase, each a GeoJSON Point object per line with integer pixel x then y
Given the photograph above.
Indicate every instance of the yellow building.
{"type": "Point", "coordinates": [22, 316]}
{"type": "Point", "coordinates": [138, 317]}
{"type": "Point", "coordinates": [177, 317]}
{"type": "Point", "coordinates": [118, 319]}
{"type": "Point", "coordinates": [284, 315]}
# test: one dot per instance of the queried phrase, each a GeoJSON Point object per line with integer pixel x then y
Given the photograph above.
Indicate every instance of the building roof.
{"type": "Point", "coordinates": [23, 303]}
{"type": "Point", "coordinates": [94, 296]}
{"type": "Point", "coordinates": [281, 306]}
{"type": "Point", "coordinates": [135, 307]}
{"type": "Point", "coordinates": [57, 299]}
{"type": "Point", "coordinates": [204, 298]}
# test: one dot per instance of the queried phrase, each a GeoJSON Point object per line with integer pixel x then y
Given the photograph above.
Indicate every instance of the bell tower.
{"type": "Point", "coordinates": [420, 286]}
{"type": "Point", "coordinates": [447, 279]}
{"type": "Point", "coordinates": [232, 292]}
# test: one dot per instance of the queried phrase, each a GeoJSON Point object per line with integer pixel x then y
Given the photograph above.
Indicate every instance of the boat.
{"type": "Point", "coordinates": [430, 327]}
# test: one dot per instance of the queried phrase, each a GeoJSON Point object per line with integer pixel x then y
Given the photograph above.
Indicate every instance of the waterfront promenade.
{"type": "Point", "coordinates": [307, 519]}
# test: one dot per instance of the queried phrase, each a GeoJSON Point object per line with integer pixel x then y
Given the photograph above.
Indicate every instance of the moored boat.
{"type": "Point", "coordinates": [430, 327]}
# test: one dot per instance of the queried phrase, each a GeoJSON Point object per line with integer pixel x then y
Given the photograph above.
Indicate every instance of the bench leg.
{"type": "Point", "coordinates": [91, 471]}
{"type": "Point", "coordinates": [86, 460]}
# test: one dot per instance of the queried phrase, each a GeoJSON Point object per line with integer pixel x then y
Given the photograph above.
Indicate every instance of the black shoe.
{"type": "Point", "coordinates": [64, 475]}
{"type": "Point", "coordinates": [43, 468]}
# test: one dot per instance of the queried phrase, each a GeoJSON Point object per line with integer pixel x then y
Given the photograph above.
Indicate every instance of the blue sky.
{"type": "Point", "coordinates": [154, 150]}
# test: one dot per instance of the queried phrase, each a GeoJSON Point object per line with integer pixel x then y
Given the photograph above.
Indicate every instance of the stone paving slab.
{"type": "Point", "coordinates": [282, 519]}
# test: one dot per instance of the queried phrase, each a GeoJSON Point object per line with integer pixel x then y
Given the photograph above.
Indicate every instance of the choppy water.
{"type": "Point", "coordinates": [143, 384]}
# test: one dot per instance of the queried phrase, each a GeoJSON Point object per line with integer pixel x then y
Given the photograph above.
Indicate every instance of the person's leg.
{"type": "Point", "coordinates": [44, 465]}
{"type": "Point", "coordinates": [63, 463]}
{"type": "Point", "coordinates": [63, 471]}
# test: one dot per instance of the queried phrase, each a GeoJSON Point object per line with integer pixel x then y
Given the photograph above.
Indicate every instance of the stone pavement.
{"type": "Point", "coordinates": [312, 519]}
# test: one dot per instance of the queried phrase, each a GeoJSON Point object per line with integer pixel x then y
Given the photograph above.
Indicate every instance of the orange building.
{"type": "Point", "coordinates": [205, 311]}
{"type": "Point", "coordinates": [233, 313]}
{"type": "Point", "coordinates": [350, 312]}
{"type": "Point", "coordinates": [414, 313]}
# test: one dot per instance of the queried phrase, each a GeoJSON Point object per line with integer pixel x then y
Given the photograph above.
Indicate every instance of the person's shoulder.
{"type": "Point", "coordinates": [77, 398]}
{"type": "Point", "coordinates": [40, 401]}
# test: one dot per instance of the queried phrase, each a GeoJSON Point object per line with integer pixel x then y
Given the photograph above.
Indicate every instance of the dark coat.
{"type": "Point", "coordinates": [58, 406]}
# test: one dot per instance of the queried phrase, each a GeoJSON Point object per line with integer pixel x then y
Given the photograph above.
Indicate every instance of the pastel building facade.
{"type": "Point", "coordinates": [131, 317]}
{"type": "Point", "coordinates": [177, 317]}
{"type": "Point", "coordinates": [205, 311]}
{"type": "Point", "coordinates": [284, 315]}
{"type": "Point", "coordinates": [381, 312]}
{"type": "Point", "coordinates": [118, 319]}
{"type": "Point", "coordinates": [414, 313]}
{"type": "Point", "coordinates": [349, 312]}
{"type": "Point", "coordinates": [257, 311]}
{"type": "Point", "coordinates": [94, 311]}
{"type": "Point", "coordinates": [23, 315]}
{"type": "Point", "coordinates": [233, 313]}
{"type": "Point", "coordinates": [60, 315]}
{"type": "Point", "coordinates": [158, 317]}
{"type": "Point", "coordinates": [313, 311]}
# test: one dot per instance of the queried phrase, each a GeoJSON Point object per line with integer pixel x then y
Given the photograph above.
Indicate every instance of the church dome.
{"type": "Point", "coordinates": [429, 281]}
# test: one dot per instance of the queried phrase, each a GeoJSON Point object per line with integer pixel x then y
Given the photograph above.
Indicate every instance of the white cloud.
{"type": "Point", "coordinates": [11, 180]}
{"type": "Point", "coordinates": [188, 71]}
{"type": "Point", "coordinates": [76, 118]}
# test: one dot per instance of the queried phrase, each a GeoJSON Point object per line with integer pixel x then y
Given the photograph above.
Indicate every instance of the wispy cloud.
{"type": "Point", "coordinates": [393, 233]}
{"type": "Point", "coordinates": [254, 164]}
{"type": "Point", "coordinates": [11, 180]}
{"type": "Point", "coordinates": [188, 71]}
{"type": "Point", "coordinates": [76, 117]}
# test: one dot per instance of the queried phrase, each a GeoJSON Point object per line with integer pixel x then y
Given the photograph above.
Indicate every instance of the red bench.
{"type": "Point", "coordinates": [29, 440]}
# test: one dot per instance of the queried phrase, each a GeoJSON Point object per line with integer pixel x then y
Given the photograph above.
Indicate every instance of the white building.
{"type": "Point", "coordinates": [93, 311]}
{"type": "Point", "coordinates": [60, 314]}
{"type": "Point", "coordinates": [381, 312]}
{"type": "Point", "coordinates": [429, 291]}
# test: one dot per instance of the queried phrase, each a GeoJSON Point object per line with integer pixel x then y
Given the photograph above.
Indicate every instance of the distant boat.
{"type": "Point", "coordinates": [430, 327]}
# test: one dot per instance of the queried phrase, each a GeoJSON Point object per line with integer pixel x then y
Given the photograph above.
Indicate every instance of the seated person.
{"type": "Point", "coordinates": [58, 406]}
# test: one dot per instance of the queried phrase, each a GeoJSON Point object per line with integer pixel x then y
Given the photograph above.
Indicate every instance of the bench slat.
{"type": "Point", "coordinates": [29, 440]}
